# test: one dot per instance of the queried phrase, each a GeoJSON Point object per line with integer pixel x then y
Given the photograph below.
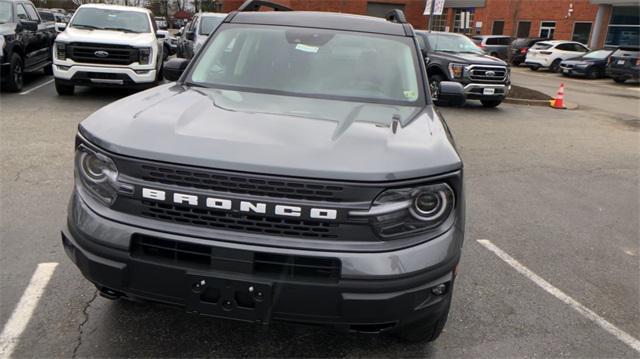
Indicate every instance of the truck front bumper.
{"type": "Point", "coordinates": [481, 91]}
{"type": "Point", "coordinates": [99, 76]}
{"type": "Point", "coordinates": [370, 292]}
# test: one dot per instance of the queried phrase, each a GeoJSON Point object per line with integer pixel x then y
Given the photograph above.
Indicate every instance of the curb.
{"type": "Point", "coordinates": [542, 103]}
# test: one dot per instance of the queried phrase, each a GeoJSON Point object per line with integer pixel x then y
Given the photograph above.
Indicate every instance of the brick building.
{"type": "Point", "coordinates": [593, 22]}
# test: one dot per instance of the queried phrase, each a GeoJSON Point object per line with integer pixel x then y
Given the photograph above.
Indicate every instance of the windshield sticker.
{"type": "Point", "coordinates": [307, 48]}
{"type": "Point", "coordinates": [410, 95]}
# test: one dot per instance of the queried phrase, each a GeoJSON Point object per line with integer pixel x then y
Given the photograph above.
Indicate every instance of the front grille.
{"type": "Point", "coordinates": [240, 222]}
{"type": "Point", "coordinates": [117, 54]}
{"type": "Point", "coordinates": [207, 257]}
{"type": "Point", "coordinates": [483, 74]}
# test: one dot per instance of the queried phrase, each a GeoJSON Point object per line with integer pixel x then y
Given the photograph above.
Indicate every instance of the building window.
{"type": "Point", "coordinates": [463, 20]}
{"type": "Point", "coordinates": [624, 27]}
{"type": "Point", "coordinates": [581, 32]}
{"type": "Point", "coordinates": [524, 28]}
{"type": "Point", "coordinates": [547, 29]}
{"type": "Point", "coordinates": [498, 27]}
{"type": "Point", "coordinates": [381, 9]}
{"type": "Point", "coordinates": [440, 22]}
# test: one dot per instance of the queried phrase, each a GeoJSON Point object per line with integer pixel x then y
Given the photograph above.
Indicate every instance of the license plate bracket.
{"type": "Point", "coordinates": [489, 91]}
{"type": "Point", "coordinates": [227, 298]}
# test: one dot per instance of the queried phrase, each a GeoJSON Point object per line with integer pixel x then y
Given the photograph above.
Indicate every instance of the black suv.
{"type": "Point", "coordinates": [278, 179]}
{"type": "Point", "coordinates": [624, 64]}
{"type": "Point", "coordinates": [454, 57]}
{"type": "Point", "coordinates": [25, 43]}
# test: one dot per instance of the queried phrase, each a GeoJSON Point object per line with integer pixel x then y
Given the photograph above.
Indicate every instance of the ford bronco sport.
{"type": "Point", "coordinates": [278, 179]}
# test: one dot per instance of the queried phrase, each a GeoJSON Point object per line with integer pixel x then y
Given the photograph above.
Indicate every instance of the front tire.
{"type": "Point", "coordinates": [434, 84]}
{"type": "Point", "coordinates": [555, 65]}
{"type": "Point", "coordinates": [619, 79]}
{"type": "Point", "coordinates": [594, 73]}
{"type": "Point", "coordinates": [64, 90]}
{"type": "Point", "coordinates": [490, 103]}
{"type": "Point", "coordinates": [15, 78]}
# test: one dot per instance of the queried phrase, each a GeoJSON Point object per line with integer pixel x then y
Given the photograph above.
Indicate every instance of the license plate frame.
{"type": "Point", "coordinates": [228, 298]}
{"type": "Point", "coordinates": [489, 91]}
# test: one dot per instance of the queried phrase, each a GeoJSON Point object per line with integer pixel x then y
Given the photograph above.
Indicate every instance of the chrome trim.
{"type": "Point", "coordinates": [382, 209]}
{"type": "Point", "coordinates": [107, 81]}
{"type": "Point", "coordinates": [468, 88]}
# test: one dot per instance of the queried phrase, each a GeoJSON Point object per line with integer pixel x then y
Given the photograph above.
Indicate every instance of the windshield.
{"type": "Point", "coordinates": [542, 46]}
{"type": "Point", "coordinates": [208, 23]}
{"type": "Point", "coordinates": [311, 63]}
{"type": "Point", "coordinates": [46, 16]}
{"type": "Point", "coordinates": [598, 54]}
{"type": "Point", "coordinates": [452, 43]}
{"type": "Point", "coordinates": [107, 19]}
{"type": "Point", "coordinates": [6, 13]}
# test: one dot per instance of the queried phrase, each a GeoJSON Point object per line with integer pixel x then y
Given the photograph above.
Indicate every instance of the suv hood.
{"type": "Point", "coordinates": [274, 134]}
{"type": "Point", "coordinates": [110, 37]}
{"type": "Point", "coordinates": [469, 58]}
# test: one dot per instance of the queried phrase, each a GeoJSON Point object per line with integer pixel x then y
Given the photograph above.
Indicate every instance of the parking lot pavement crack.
{"type": "Point", "coordinates": [85, 314]}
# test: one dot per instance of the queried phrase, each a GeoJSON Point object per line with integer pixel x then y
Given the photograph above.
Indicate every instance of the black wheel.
{"type": "Point", "coordinates": [516, 62]}
{"type": "Point", "coordinates": [594, 73]}
{"type": "Point", "coordinates": [490, 103]}
{"type": "Point", "coordinates": [426, 330]}
{"type": "Point", "coordinates": [48, 70]}
{"type": "Point", "coordinates": [64, 90]}
{"type": "Point", "coordinates": [534, 67]}
{"type": "Point", "coordinates": [15, 78]}
{"type": "Point", "coordinates": [619, 79]}
{"type": "Point", "coordinates": [434, 84]}
{"type": "Point", "coordinates": [555, 65]}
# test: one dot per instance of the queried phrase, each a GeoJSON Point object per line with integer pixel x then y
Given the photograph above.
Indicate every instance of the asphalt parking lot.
{"type": "Point", "coordinates": [557, 191]}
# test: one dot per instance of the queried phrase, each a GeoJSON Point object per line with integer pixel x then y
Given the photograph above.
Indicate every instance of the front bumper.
{"type": "Point", "coordinates": [372, 291]}
{"type": "Point", "coordinates": [481, 91]}
{"type": "Point", "coordinates": [103, 75]}
{"type": "Point", "coordinates": [574, 70]}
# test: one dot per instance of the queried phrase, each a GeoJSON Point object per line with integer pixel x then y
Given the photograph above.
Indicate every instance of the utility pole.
{"type": "Point", "coordinates": [433, 7]}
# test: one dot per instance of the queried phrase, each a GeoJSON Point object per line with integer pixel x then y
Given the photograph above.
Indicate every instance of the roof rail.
{"type": "Point", "coordinates": [396, 15]}
{"type": "Point", "coordinates": [255, 5]}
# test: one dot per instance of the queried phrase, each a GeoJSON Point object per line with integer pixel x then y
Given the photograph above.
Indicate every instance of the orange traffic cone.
{"type": "Point", "coordinates": [558, 101]}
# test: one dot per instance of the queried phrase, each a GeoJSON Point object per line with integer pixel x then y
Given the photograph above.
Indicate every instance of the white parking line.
{"type": "Point", "coordinates": [25, 308]}
{"type": "Point", "coordinates": [584, 311]}
{"type": "Point", "coordinates": [36, 87]}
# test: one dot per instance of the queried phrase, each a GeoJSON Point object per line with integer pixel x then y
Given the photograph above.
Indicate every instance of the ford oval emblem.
{"type": "Point", "coordinates": [488, 73]}
{"type": "Point", "coordinates": [101, 53]}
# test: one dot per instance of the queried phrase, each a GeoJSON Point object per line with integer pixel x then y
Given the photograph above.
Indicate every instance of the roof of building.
{"type": "Point", "coordinates": [323, 20]}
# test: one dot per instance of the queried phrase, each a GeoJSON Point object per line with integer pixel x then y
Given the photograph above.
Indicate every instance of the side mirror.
{"type": "Point", "coordinates": [179, 33]}
{"type": "Point", "coordinates": [159, 35]}
{"type": "Point", "coordinates": [451, 93]}
{"type": "Point", "coordinates": [29, 25]}
{"type": "Point", "coordinates": [174, 68]}
{"type": "Point", "coordinates": [191, 35]}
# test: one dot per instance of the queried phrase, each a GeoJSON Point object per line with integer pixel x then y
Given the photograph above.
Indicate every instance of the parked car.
{"type": "Point", "coordinates": [108, 46]}
{"type": "Point", "coordinates": [454, 57]}
{"type": "Point", "coordinates": [57, 19]}
{"type": "Point", "coordinates": [592, 64]}
{"type": "Point", "coordinates": [26, 43]}
{"type": "Point", "coordinates": [520, 46]}
{"type": "Point", "coordinates": [494, 45]}
{"type": "Point", "coordinates": [550, 53]}
{"type": "Point", "coordinates": [197, 31]}
{"type": "Point", "coordinates": [624, 64]}
{"type": "Point", "coordinates": [161, 22]}
{"type": "Point", "coordinates": [279, 179]}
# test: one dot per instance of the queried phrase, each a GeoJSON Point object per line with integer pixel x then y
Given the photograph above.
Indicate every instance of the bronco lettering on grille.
{"type": "Point", "coordinates": [240, 206]}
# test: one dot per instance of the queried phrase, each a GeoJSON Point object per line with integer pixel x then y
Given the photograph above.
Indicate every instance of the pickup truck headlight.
{"type": "Point", "coordinates": [456, 70]}
{"type": "Point", "coordinates": [97, 173]}
{"type": "Point", "coordinates": [405, 211]}
{"type": "Point", "coordinates": [145, 56]}
{"type": "Point", "coordinates": [61, 51]}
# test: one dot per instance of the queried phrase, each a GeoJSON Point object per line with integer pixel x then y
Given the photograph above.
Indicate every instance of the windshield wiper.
{"type": "Point", "coordinates": [82, 26]}
{"type": "Point", "coordinates": [120, 29]}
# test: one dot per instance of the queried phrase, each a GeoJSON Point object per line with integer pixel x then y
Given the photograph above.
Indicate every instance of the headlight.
{"type": "Point", "coordinates": [400, 212]}
{"type": "Point", "coordinates": [582, 65]}
{"type": "Point", "coordinates": [456, 70]}
{"type": "Point", "coordinates": [145, 56]}
{"type": "Point", "coordinates": [61, 51]}
{"type": "Point", "coordinates": [97, 173]}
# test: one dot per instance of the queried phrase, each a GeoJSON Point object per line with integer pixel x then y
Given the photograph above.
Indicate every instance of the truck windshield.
{"type": "Point", "coordinates": [452, 43]}
{"type": "Point", "coordinates": [6, 13]}
{"type": "Point", "coordinates": [311, 63]}
{"type": "Point", "coordinates": [208, 23]}
{"type": "Point", "coordinates": [107, 19]}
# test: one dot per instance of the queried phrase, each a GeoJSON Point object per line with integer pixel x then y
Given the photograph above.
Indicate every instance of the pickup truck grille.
{"type": "Point", "coordinates": [115, 54]}
{"type": "Point", "coordinates": [493, 74]}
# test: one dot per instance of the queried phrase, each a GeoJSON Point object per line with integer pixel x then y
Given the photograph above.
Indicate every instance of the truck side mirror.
{"type": "Point", "coordinates": [191, 35]}
{"type": "Point", "coordinates": [174, 68]}
{"type": "Point", "coordinates": [29, 25]}
{"type": "Point", "coordinates": [451, 93]}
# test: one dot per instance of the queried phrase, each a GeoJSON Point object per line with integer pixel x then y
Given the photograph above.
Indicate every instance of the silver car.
{"type": "Point", "coordinates": [494, 45]}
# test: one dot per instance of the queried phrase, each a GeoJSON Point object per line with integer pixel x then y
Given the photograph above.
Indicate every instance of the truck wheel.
{"type": "Point", "coordinates": [490, 103]}
{"type": "Point", "coordinates": [48, 70]}
{"type": "Point", "coordinates": [15, 80]}
{"type": "Point", "coordinates": [619, 79]}
{"type": "Point", "coordinates": [434, 84]}
{"type": "Point", "coordinates": [64, 90]}
{"type": "Point", "coordinates": [555, 65]}
{"type": "Point", "coordinates": [426, 330]}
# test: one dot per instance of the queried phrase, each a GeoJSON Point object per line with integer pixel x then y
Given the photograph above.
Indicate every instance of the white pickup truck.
{"type": "Point", "coordinates": [108, 46]}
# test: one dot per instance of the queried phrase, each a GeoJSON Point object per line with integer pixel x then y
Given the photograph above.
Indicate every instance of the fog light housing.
{"type": "Point", "coordinates": [440, 289]}
{"type": "Point", "coordinates": [63, 68]}
{"type": "Point", "coordinates": [142, 72]}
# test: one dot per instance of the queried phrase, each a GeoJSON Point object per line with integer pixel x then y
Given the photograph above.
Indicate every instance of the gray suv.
{"type": "Point", "coordinates": [278, 180]}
